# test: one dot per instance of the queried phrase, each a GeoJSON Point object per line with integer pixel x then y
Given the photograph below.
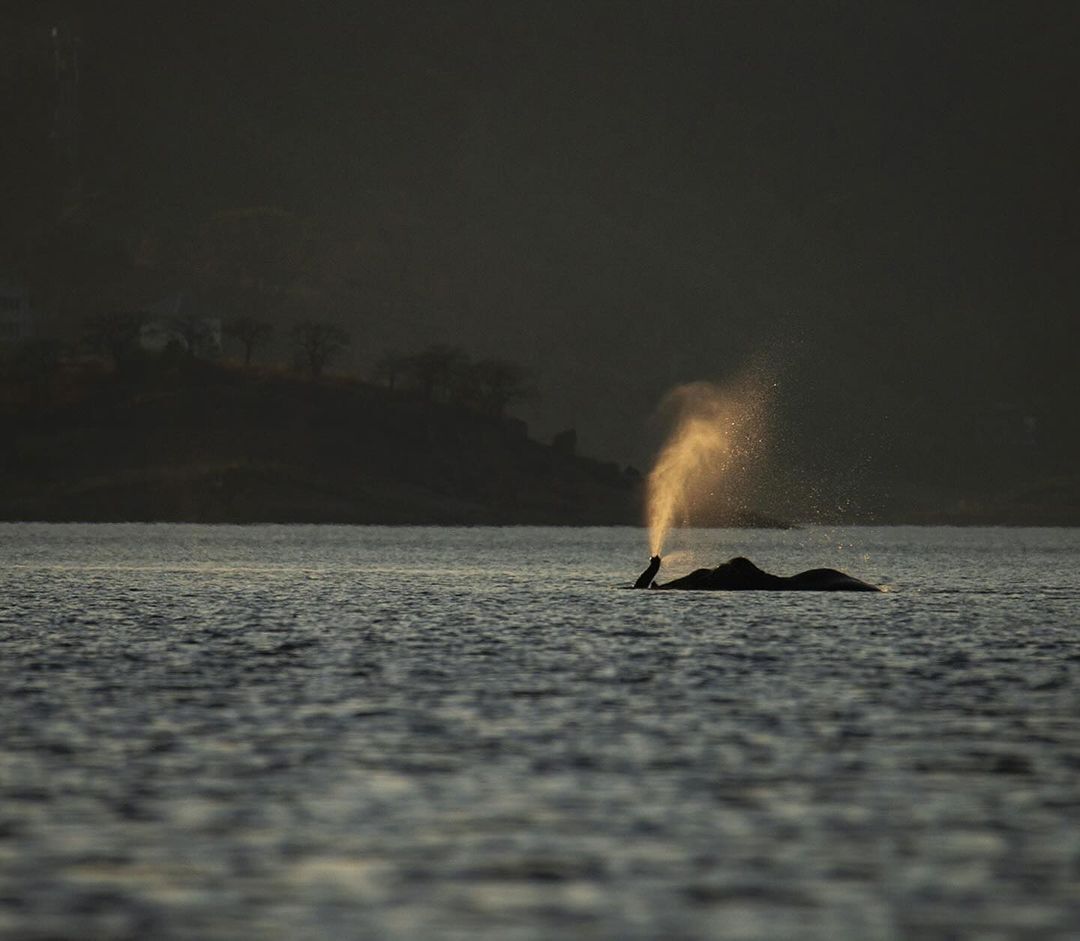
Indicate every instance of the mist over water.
{"type": "Point", "coordinates": [717, 433]}
{"type": "Point", "coordinates": [330, 732]}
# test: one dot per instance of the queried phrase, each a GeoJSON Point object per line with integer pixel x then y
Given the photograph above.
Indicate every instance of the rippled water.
{"type": "Point", "coordinates": [336, 732]}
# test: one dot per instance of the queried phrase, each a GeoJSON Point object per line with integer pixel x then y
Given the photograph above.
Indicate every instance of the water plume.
{"type": "Point", "coordinates": [716, 433]}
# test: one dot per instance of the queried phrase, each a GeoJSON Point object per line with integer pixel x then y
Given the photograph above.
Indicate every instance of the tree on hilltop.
{"type": "Point", "coordinates": [316, 344]}
{"type": "Point", "coordinates": [250, 332]}
{"type": "Point", "coordinates": [446, 373]}
{"type": "Point", "coordinates": [114, 334]}
{"type": "Point", "coordinates": [391, 368]}
{"type": "Point", "coordinates": [435, 370]}
{"type": "Point", "coordinates": [495, 383]}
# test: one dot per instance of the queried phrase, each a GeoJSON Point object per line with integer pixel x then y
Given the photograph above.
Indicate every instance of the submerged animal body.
{"type": "Point", "coordinates": [742, 575]}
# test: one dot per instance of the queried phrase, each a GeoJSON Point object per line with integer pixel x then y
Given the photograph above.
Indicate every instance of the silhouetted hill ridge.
{"type": "Point", "coordinates": [210, 444]}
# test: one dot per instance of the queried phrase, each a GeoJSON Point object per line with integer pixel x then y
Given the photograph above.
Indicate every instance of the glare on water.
{"type": "Point", "coordinates": [337, 732]}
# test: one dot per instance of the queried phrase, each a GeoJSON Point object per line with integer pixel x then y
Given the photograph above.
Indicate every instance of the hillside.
{"type": "Point", "coordinates": [665, 192]}
{"type": "Point", "coordinates": [199, 442]}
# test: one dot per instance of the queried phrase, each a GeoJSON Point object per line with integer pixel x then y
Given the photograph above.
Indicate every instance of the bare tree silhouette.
{"type": "Point", "coordinates": [316, 344]}
{"type": "Point", "coordinates": [250, 332]}
{"type": "Point", "coordinates": [391, 368]}
{"type": "Point", "coordinates": [496, 383]}
{"type": "Point", "coordinates": [435, 370]}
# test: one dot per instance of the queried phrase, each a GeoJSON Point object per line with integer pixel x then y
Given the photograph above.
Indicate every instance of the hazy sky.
{"type": "Point", "coordinates": [880, 200]}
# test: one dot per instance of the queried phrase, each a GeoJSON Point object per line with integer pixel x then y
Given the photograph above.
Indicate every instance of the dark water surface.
{"type": "Point", "coordinates": [336, 732]}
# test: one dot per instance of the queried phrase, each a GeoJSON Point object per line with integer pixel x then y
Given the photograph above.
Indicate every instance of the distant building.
{"type": "Point", "coordinates": [16, 315]}
{"type": "Point", "coordinates": [155, 335]}
{"type": "Point", "coordinates": [180, 321]}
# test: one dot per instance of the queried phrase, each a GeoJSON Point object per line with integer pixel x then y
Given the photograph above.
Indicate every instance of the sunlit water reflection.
{"type": "Point", "coordinates": [335, 732]}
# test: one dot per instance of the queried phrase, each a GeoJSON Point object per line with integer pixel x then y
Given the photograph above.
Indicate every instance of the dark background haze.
{"type": "Point", "coordinates": [874, 203]}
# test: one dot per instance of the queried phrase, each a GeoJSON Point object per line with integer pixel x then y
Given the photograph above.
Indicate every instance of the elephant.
{"type": "Point", "coordinates": [741, 574]}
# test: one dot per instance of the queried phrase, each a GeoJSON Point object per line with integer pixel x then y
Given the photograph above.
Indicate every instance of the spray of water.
{"type": "Point", "coordinates": [716, 433]}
